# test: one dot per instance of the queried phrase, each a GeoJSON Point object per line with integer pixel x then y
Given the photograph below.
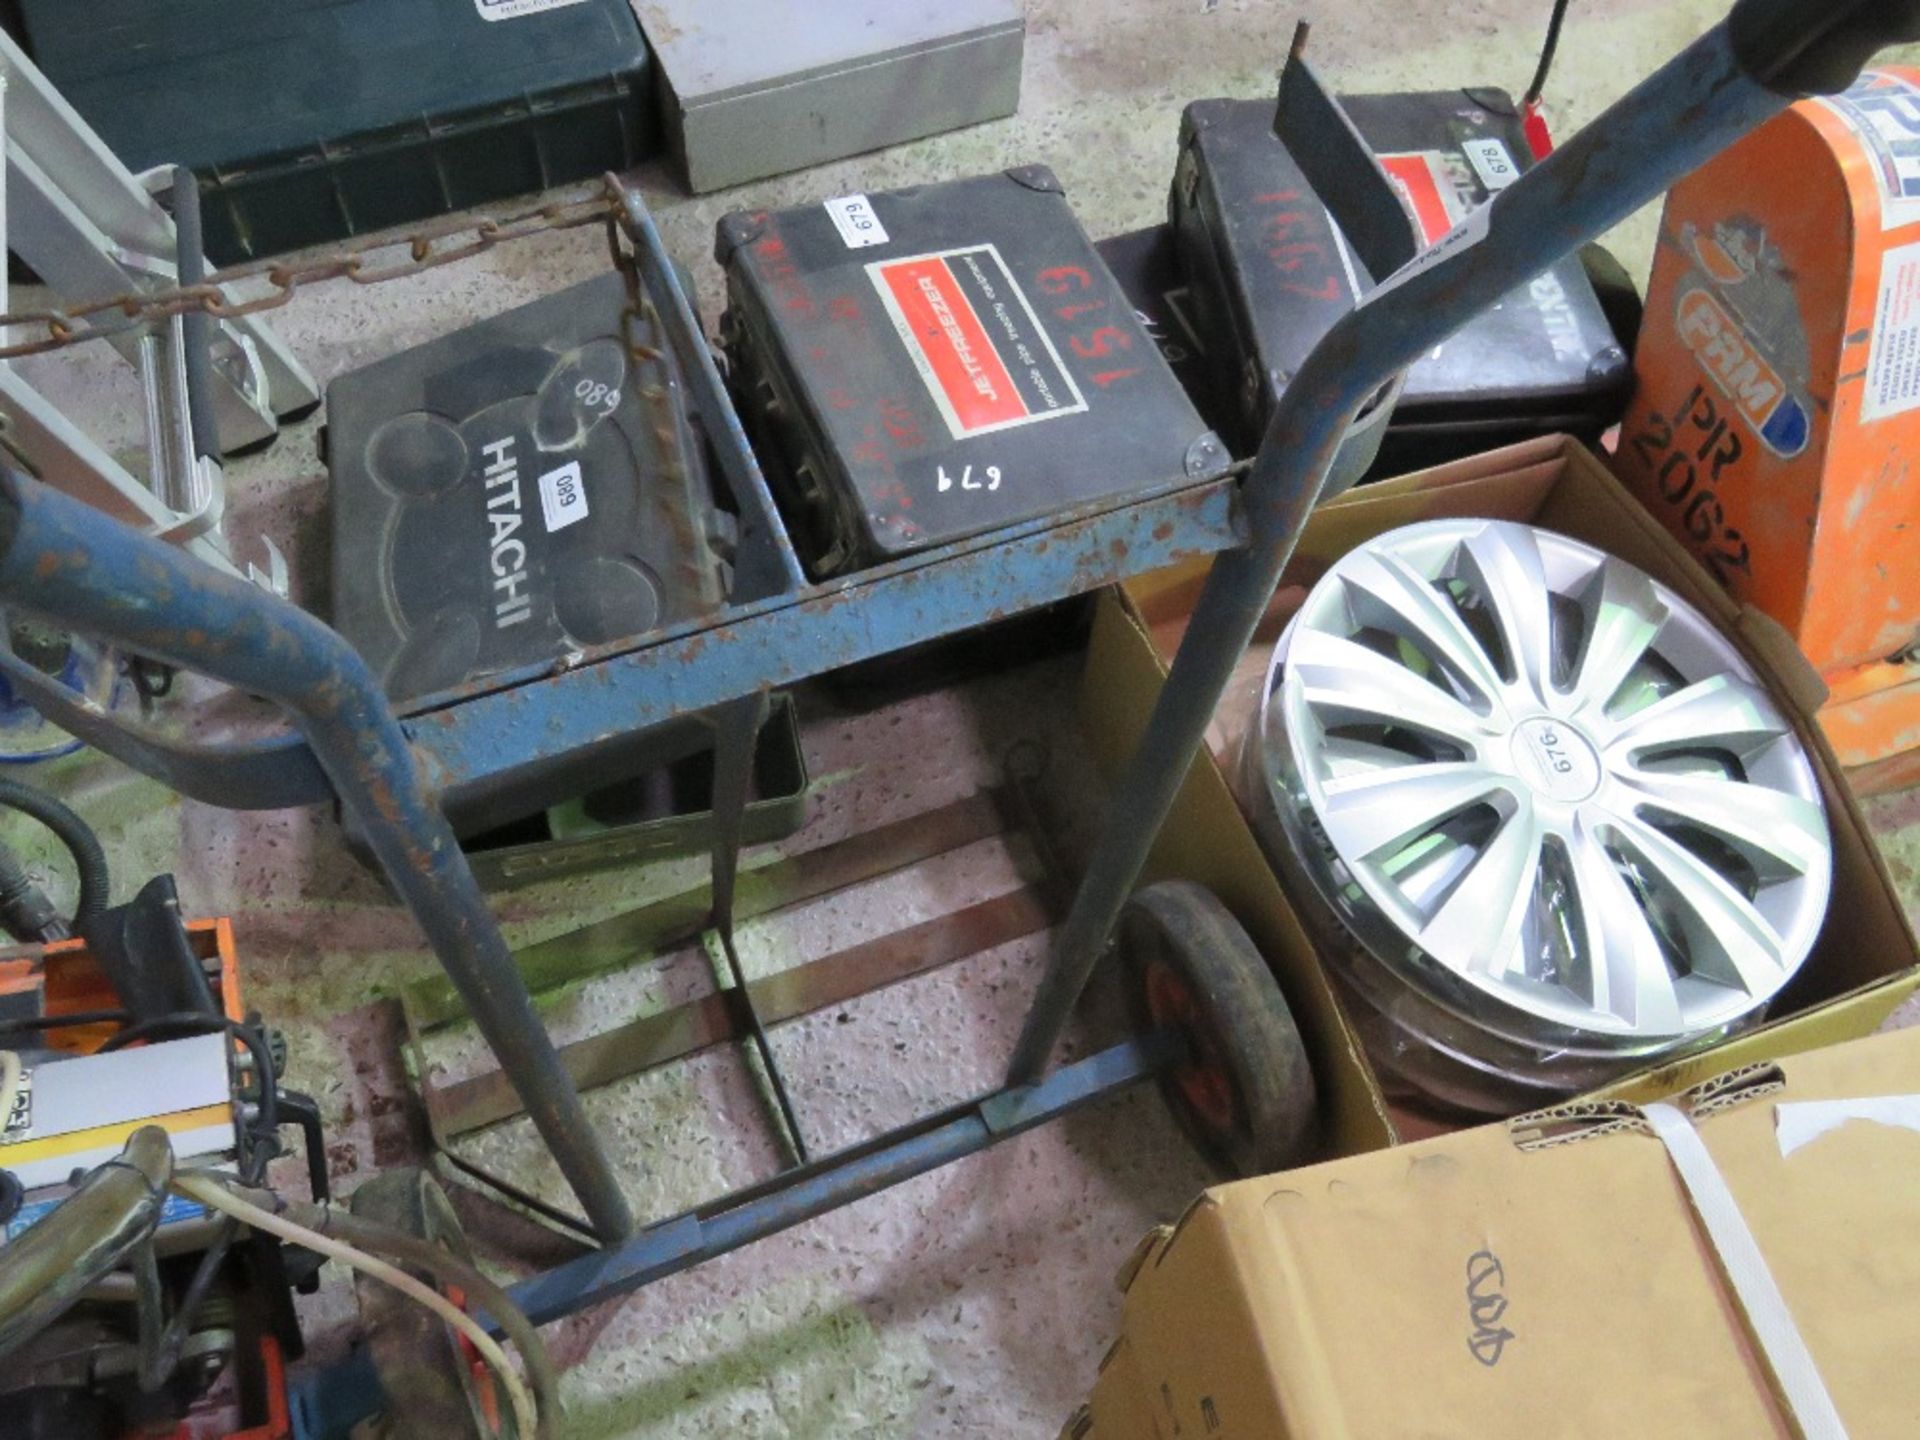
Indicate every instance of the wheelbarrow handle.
{"type": "Point", "coordinates": [1816, 47]}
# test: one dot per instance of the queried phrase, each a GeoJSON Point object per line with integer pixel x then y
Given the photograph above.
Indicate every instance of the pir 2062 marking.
{"type": "Point", "coordinates": [1664, 448]}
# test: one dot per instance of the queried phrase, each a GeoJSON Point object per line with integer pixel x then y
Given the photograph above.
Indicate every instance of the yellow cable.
{"type": "Point", "coordinates": [215, 1196]}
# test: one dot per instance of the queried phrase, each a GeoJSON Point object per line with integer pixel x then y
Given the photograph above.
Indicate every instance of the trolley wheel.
{"type": "Point", "coordinates": [1244, 1090]}
{"type": "Point", "coordinates": [434, 1384]}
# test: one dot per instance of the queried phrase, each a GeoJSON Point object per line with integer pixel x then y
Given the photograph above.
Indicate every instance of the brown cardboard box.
{"type": "Point", "coordinates": [1544, 1277]}
{"type": "Point", "coordinates": [1867, 960]}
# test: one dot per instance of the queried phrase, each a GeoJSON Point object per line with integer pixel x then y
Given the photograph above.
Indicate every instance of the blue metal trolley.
{"type": "Point", "coordinates": [76, 568]}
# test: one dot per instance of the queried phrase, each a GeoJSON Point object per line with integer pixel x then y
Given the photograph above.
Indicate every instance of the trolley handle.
{"type": "Point", "coordinates": [1816, 47]}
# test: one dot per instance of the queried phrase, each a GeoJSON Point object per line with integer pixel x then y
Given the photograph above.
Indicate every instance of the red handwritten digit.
{"type": "Point", "coordinates": [1103, 341]}
{"type": "Point", "coordinates": [1327, 289]}
{"type": "Point", "coordinates": [1292, 257]}
{"type": "Point", "coordinates": [1064, 279]}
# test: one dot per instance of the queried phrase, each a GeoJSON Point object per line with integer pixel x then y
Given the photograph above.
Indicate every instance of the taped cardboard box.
{"type": "Point", "coordinates": [1866, 961]}
{"type": "Point", "coordinates": [1555, 1277]}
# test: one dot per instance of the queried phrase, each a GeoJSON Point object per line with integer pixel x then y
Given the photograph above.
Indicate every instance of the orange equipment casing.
{"type": "Point", "coordinates": [1776, 412]}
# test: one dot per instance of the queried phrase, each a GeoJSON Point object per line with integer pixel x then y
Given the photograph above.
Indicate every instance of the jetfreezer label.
{"type": "Point", "coordinates": [1893, 361]}
{"type": "Point", "coordinates": [1427, 192]}
{"type": "Point", "coordinates": [975, 340]}
{"type": "Point", "coordinates": [1884, 111]}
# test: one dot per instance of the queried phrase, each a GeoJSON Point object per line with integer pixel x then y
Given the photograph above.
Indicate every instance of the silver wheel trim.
{"type": "Point", "coordinates": [1346, 810]}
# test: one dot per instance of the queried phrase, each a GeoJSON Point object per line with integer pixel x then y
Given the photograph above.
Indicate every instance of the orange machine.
{"type": "Point", "coordinates": [1775, 424]}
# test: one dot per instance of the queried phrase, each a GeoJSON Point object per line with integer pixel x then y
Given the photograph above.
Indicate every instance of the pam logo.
{"type": "Point", "coordinates": [1742, 373]}
{"type": "Point", "coordinates": [1487, 1337]}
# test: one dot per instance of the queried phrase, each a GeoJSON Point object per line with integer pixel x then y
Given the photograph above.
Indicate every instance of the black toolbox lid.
{"type": "Point", "coordinates": [499, 497]}
{"type": "Point", "coordinates": [211, 83]}
{"type": "Point", "coordinates": [948, 359]}
{"type": "Point", "coordinates": [1270, 273]}
{"type": "Point", "coordinates": [1546, 347]}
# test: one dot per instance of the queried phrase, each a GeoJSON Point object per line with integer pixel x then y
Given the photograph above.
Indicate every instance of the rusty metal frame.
{"type": "Point", "coordinates": [743, 1010]}
{"type": "Point", "coordinates": [717, 1017]}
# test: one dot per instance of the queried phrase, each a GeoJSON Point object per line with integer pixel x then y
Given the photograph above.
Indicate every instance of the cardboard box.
{"type": "Point", "coordinates": [1552, 1277]}
{"type": "Point", "coordinates": [1865, 962]}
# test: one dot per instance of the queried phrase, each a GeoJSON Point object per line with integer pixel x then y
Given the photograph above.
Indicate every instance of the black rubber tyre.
{"type": "Point", "coordinates": [429, 1377]}
{"type": "Point", "coordinates": [1244, 1090]}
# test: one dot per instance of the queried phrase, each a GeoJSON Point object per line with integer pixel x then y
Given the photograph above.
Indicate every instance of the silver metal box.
{"type": "Point", "coordinates": [761, 87]}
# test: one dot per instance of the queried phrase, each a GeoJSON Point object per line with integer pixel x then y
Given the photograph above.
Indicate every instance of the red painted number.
{"type": "Point", "coordinates": [1103, 341]}
{"type": "Point", "coordinates": [1065, 279]}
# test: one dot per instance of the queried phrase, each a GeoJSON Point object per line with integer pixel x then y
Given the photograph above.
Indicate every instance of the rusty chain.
{"type": "Point", "coordinates": [426, 250]}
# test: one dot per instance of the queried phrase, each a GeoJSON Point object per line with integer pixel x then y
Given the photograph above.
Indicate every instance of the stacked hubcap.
{"type": "Point", "coordinates": [1553, 825]}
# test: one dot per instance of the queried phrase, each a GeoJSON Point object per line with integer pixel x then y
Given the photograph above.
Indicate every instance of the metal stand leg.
{"type": "Point", "coordinates": [1680, 117]}
{"type": "Point", "coordinates": [69, 564]}
{"type": "Point", "coordinates": [736, 733]}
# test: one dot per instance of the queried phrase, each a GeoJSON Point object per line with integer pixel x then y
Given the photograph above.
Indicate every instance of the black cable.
{"type": "Point", "coordinates": [164, 1358]}
{"type": "Point", "coordinates": [74, 833]}
{"type": "Point", "coordinates": [26, 913]}
{"type": "Point", "coordinates": [1547, 52]}
{"type": "Point", "coordinates": [266, 1129]}
{"type": "Point", "coordinates": [30, 1024]}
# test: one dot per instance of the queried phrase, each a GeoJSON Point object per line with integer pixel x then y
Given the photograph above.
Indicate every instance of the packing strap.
{"type": "Point", "coordinates": [1781, 1344]}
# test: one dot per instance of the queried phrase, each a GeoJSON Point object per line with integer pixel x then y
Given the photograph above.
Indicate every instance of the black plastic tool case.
{"type": "Point", "coordinates": [502, 496]}
{"type": "Point", "coordinates": [1147, 265]}
{"type": "Point", "coordinates": [309, 120]}
{"type": "Point", "coordinates": [1267, 274]}
{"type": "Point", "coordinates": [928, 364]}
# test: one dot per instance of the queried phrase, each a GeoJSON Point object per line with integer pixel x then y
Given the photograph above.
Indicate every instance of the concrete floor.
{"type": "Point", "coordinates": [972, 1301]}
